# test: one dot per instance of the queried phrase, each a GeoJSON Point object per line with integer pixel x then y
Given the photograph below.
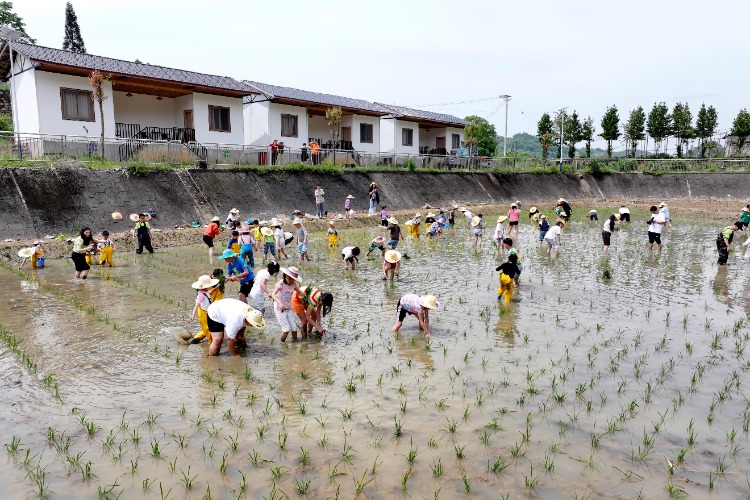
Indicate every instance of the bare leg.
{"type": "Point", "coordinates": [216, 339]}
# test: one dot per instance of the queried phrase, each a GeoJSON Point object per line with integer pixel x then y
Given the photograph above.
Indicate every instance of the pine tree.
{"type": "Point", "coordinates": [73, 40]}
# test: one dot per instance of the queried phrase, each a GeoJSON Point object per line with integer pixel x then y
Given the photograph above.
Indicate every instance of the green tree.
{"type": "Point", "coordinates": [588, 130]}
{"type": "Point", "coordinates": [72, 40]}
{"type": "Point", "coordinates": [481, 133]}
{"type": "Point", "coordinates": [573, 133]}
{"type": "Point", "coordinates": [741, 128]}
{"type": "Point", "coordinates": [635, 130]}
{"type": "Point", "coordinates": [12, 20]}
{"type": "Point", "coordinates": [705, 125]}
{"type": "Point", "coordinates": [545, 134]}
{"type": "Point", "coordinates": [659, 124]}
{"type": "Point", "coordinates": [610, 128]}
{"type": "Point", "coordinates": [682, 125]}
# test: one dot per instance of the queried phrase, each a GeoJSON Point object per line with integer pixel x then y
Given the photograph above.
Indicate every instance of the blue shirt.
{"type": "Point", "coordinates": [441, 220]}
{"type": "Point", "coordinates": [238, 267]}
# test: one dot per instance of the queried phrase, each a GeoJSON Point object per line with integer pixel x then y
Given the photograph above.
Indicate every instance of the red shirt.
{"type": "Point", "coordinates": [212, 230]}
{"type": "Point", "coordinates": [274, 147]}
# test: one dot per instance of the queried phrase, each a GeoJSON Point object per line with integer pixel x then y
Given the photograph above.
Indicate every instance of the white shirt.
{"type": "Point", "coordinates": [624, 210]}
{"type": "Point", "coordinates": [319, 195]}
{"type": "Point", "coordinates": [654, 227]}
{"type": "Point", "coordinates": [260, 279]}
{"type": "Point", "coordinates": [553, 232]}
{"type": "Point", "coordinates": [230, 313]}
{"type": "Point", "coordinates": [279, 234]}
{"type": "Point", "coordinates": [499, 231]}
{"type": "Point", "coordinates": [605, 227]}
{"type": "Point", "coordinates": [347, 252]}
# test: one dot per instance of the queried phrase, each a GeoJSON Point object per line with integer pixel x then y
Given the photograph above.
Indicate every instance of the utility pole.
{"type": "Point", "coordinates": [505, 137]}
{"type": "Point", "coordinates": [562, 131]}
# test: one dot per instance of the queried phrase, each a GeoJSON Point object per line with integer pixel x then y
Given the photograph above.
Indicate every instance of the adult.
{"type": "Point", "coordinates": [655, 225]}
{"type": "Point", "coordinates": [233, 219]}
{"type": "Point", "coordinates": [624, 214]}
{"type": "Point", "coordinates": [82, 244]}
{"type": "Point", "coordinates": [303, 156]}
{"type": "Point", "coordinates": [566, 208]}
{"type": "Point", "coordinates": [319, 201]}
{"type": "Point", "coordinates": [374, 195]}
{"type": "Point", "coordinates": [274, 151]}
{"type": "Point", "coordinates": [143, 233]}
{"type": "Point", "coordinates": [607, 230]}
{"type": "Point", "coordinates": [418, 306]}
{"type": "Point", "coordinates": [238, 270]}
{"type": "Point", "coordinates": [315, 151]}
{"type": "Point", "coordinates": [394, 231]}
{"type": "Point", "coordinates": [724, 241]}
{"type": "Point", "coordinates": [211, 232]}
{"type": "Point", "coordinates": [230, 317]}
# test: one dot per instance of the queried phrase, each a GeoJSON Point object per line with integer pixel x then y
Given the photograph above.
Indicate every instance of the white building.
{"type": "Point", "coordinates": [143, 102]}
{"type": "Point", "coordinates": [407, 131]}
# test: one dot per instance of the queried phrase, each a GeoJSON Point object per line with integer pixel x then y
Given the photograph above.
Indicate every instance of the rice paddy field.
{"type": "Point", "coordinates": [618, 377]}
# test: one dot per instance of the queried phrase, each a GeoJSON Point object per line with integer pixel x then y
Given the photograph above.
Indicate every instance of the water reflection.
{"type": "Point", "coordinates": [506, 326]}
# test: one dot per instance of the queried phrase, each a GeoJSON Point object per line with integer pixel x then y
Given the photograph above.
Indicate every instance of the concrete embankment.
{"type": "Point", "coordinates": [40, 201]}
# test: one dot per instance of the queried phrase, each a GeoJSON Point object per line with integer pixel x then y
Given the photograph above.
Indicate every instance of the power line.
{"type": "Point", "coordinates": [468, 101]}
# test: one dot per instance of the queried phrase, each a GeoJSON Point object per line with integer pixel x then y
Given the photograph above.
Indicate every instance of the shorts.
{"type": "Point", "coordinates": [513, 223]}
{"type": "Point", "coordinates": [392, 243]}
{"type": "Point", "coordinates": [246, 287]}
{"type": "Point", "coordinates": [208, 241]}
{"type": "Point", "coordinates": [79, 259]}
{"type": "Point", "coordinates": [302, 248]}
{"type": "Point", "coordinates": [350, 259]}
{"type": "Point", "coordinates": [373, 247]}
{"type": "Point", "coordinates": [542, 234]}
{"type": "Point", "coordinates": [286, 320]}
{"type": "Point", "coordinates": [384, 222]}
{"type": "Point", "coordinates": [269, 247]}
{"type": "Point", "coordinates": [260, 301]}
{"type": "Point", "coordinates": [477, 232]}
{"type": "Point", "coordinates": [606, 236]}
{"type": "Point", "coordinates": [214, 326]}
{"type": "Point", "coordinates": [401, 312]}
{"type": "Point", "coordinates": [390, 265]}
{"type": "Point", "coordinates": [654, 237]}
{"type": "Point", "coordinates": [593, 217]}
{"type": "Point", "coordinates": [551, 243]}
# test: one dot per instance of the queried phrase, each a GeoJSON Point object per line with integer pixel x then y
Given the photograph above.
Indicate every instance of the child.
{"type": "Point", "coordinates": [255, 232]}
{"type": "Point", "coordinates": [333, 235]}
{"type": "Point", "coordinates": [300, 306]}
{"type": "Point", "coordinates": [452, 215]}
{"type": "Point", "coordinates": [513, 215]}
{"type": "Point", "coordinates": [543, 227]}
{"type": "Point", "coordinates": [500, 231]}
{"type": "Point", "coordinates": [282, 297]}
{"type": "Point", "coordinates": [377, 242]}
{"type": "Point", "coordinates": [534, 214]}
{"type": "Point", "coordinates": [202, 301]}
{"type": "Point", "coordinates": [349, 254]}
{"type": "Point", "coordinates": [106, 250]}
{"type": "Point", "coordinates": [508, 245]}
{"type": "Point", "coordinates": [247, 245]}
{"type": "Point", "coordinates": [429, 219]}
{"type": "Point", "coordinates": [478, 224]}
{"type": "Point", "coordinates": [552, 238]}
{"type": "Point", "coordinates": [418, 306]}
{"type": "Point", "coordinates": [593, 216]}
{"type": "Point", "coordinates": [211, 232]}
{"type": "Point", "coordinates": [260, 291]}
{"type": "Point", "coordinates": [348, 206]}
{"type": "Point", "coordinates": [319, 303]}
{"type": "Point", "coordinates": [143, 232]}
{"type": "Point", "coordinates": [416, 225]}
{"type": "Point", "coordinates": [217, 292]}
{"type": "Point", "coordinates": [384, 216]}
{"type": "Point", "coordinates": [35, 254]}
{"type": "Point", "coordinates": [268, 243]}
{"type": "Point", "coordinates": [234, 242]}
{"type": "Point", "coordinates": [279, 240]}
{"type": "Point", "coordinates": [390, 263]}
{"type": "Point", "coordinates": [442, 221]}
{"type": "Point", "coordinates": [609, 227]}
{"type": "Point", "coordinates": [301, 241]}
{"type": "Point", "coordinates": [433, 230]}
{"type": "Point", "coordinates": [508, 272]}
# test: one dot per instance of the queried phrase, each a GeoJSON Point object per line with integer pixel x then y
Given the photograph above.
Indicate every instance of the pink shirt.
{"type": "Point", "coordinates": [513, 214]}
{"type": "Point", "coordinates": [202, 300]}
{"type": "Point", "coordinates": [284, 293]}
{"type": "Point", "coordinates": [410, 302]}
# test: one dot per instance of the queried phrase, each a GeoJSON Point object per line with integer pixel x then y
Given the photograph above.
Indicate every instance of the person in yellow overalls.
{"type": "Point", "coordinates": [204, 285]}
{"type": "Point", "coordinates": [333, 235]}
{"type": "Point", "coordinates": [106, 250]}
{"type": "Point", "coordinates": [508, 271]}
{"type": "Point", "coordinates": [416, 226]}
{"type": "Point", "coordinates": [35, 255]}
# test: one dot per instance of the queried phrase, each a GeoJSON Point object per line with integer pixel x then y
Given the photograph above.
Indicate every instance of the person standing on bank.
{"type": "Point", "coordinates": [319, 201]}
{"type": "Point", "coordinates": [143, 233]}
{"type": "Point", "coordinates": [655, 226]}
{"type": "Point", "coordinates": [374, 195]}
{"type": "Point", "coordinates": [231, 317]}
{"type": "Point", "coordinates": [84, 243]}
{"type": "Point", "coordinates": [315, 151]}
{"type": "Point", "coordinates": [303, 156]}
{"type": "Point", "coordinates": [724, 241]}
{"type": "Point", "coordinates": [274, 151]}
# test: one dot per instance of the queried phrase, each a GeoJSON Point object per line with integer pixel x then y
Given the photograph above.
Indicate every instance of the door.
{"type": "Point", "coordinates": [188, 118]}
{"type": "Point", "coordinates": [346, 134]}
{"type": "Point", "coordinates": [440, 142]}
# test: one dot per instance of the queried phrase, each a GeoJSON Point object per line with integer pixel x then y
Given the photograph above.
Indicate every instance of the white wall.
{"type": "Point", "coordinates": [27, 113]}
{"type": "Point", "coordinates": [256, 119]}
{"type": "Point", "coordinates": [364, 147]}
{"type": "Point", "coordinates": [48, 87]}
{"type": "Point", "coordinates": [200, 117]}
{"type": "Point", "coordinates": [449, 134]}
{"type": "Point", "coordinates": [276, 110]}
{"type": "Point", "coordinates": [400, 148]}
{"type": "Point", "coordinates": [181, 104]}
{"type": "Point", "coordinates": [428, 137]}
{"type": "Point", "coordinates": [386, 134]}
{"type": "Point", "coordinates": [145, 110]}
{"type": "Point", "coordinates": [318, 128]}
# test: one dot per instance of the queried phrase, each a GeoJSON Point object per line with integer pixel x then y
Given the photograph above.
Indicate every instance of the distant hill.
{"type": "Point", "coordinates": [528, 145]}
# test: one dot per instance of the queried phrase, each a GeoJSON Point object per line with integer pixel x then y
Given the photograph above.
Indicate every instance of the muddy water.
{"type": "Point", "coordinates": [583, 385]}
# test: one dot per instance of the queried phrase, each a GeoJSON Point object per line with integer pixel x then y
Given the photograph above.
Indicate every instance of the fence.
{"type": "Point", "coordinates": [44, 149]}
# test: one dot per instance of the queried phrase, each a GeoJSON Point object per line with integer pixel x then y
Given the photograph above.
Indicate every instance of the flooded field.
{"type": "Point", "coordinates": [604, 378]}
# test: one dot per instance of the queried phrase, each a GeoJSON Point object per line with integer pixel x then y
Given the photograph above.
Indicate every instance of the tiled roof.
{"type": "Point", "coordinates": [307, 96]}
{"type": "Point", "coordinates": [117, 66]}
{"type": "Point", "coordinates": [401, 111]}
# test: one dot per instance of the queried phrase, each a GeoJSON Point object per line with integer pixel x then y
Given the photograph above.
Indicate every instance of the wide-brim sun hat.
{"type": "Point", "coordinates": [373, 184]}
{"type": "Point", "coordinates": [205, 281]}
{"type": "Point", "coordinates": [216, 219]}
{"type": "Point", "coordinates": [392, 256]}
{"type": "Point", "coordinates": [513, 205]}
{"type": "Point", "coordinates": [418, 214]}
{"type": "Point", "coordinates": [430, 215]}
{"type": "Point", "coordinates": [563, 199]}
{"type": "Point", "coordinates": [532, 210]}
{"type": "Point", "coordinates": [429, 302]}
{"type": "Point", "coordinates": [25, 253]}
{"type": "Point", "coordinates": [745, 209]}
{"type": "Point", "coordinates": [393, 220]}
{"type": "Point", "coordinates": [133, 217]}
{"type": "Point", "coordinates": [255, 319]}
{"type": "Point", "coordinates": [116, 216]}
{"type": "Point", "coordinates": [542, 216]}
{"type": "Point", "coordinates": [228, 254]}
{"type": "Point", "coordinates": [274, 222]}
{"type": "Point", "coordinates": [350, 197]}
{"type": "Point", "coordinates": [266, 231]}
{"type": "Point", "coordinates": [234, 211]}
{"type": "Point", "coordinates": [475, 220]}
{"type": "Point", "coordinates": [617, 216]}
{"type": "Point", "coordinates": [331, 223]}
{"type": "Point", "coordinates": [502, 219]}
{"type": "Point", "coordinates": [518, 202]}
{"type": "Point", "coordinates": [245, 230]}
{"type": "Point", "coordinates": [296, 221]}
{"type": "Point", "coordinates": [291, 271]}
{"type": "Point", "coordinates": [662, 205]}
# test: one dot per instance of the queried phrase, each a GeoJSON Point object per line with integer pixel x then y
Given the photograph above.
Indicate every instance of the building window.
{"type": "Point", "coordinates": [455, 141]}
{"type": "Point", "coordinates": [407, 137]}
{"type": "Point", "coordinates": [218, 119]}
{"type": "Point", "coordinates": [365, 133]}
{"type": "Point", "coordinates": [77, 105]}
{"type": "Point", "coordinates": [289, 125]}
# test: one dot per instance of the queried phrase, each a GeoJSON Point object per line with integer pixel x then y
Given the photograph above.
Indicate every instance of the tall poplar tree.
{"type": "Point", "coordinates": [610, 128]}
{"type": "Point", "coordinates": [682, 125]}
{"type": "Point", "coordinates": [73, 40]}
{"type": "Point", "coordinates": [635, 129]}
{"type": "Point", "coordinates": [741, 129]}
{"type": "Point", "coordinates": [545, 134]}
{"type": "Point", "coordinates": [705, 125]}
{"type": "Point", "coordinates": [659, 124]}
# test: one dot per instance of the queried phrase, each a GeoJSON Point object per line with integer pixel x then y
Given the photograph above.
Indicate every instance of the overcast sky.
{"type": "Point", "coordinates": [546, 54]}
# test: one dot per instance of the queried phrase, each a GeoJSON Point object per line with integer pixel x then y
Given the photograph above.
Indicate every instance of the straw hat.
{"type": "Point", "coordinates": [561, 200]}
{"type": "Point", "coordinates": [429, 302]}
{"type": "Point", "coordinates": [228, 254]}
{"type": "Point", "coordinates": [133, 217]}
{"type": "Point", "coordinates": [25, 253]}
{"type": "Point", "coordinates": [37, 242]}
{"type": "Point", "coordinates": [274, 222]}
{"type": "Point", "coordinates": [291, 271]}
{"type": "Point", "coordinates": [513, 205]}
{"type": "Point", "coordinates": [379, 239]}
{"type": "Point", "coordinates": [430, 215]}
{"type": "Point", "coordinates": [266, 231]}
{"type": "Point", "coordinates": [373, 184]}
{"type": "Point", "coordinates": [518, 202]}
{"type": "Point", "coordinates": [116, 216]}
{"type": "Point", "coordinates": [532, 210]}
{"type": "Point", "coordinates": [392, 256]}
{"type": "Point", "coordinates": [662, 205]}
{"type": "Point", "coordinates": [502, 219]}
{"type": "Point", "coordinates": [205, 281]}
{"type": "Point", "coordinates": [745, 209]}
{"type": "Point", "coordinates": [296, 221]}
{"type": "Point", "coordinates": [475, 220]}
{"type": "Point", "coordinates": [245, 230]}
{"type": "Point", "coordinates": [255, 319]}
{"type": "Point", "coordinates": [561, 222]}
{"type": "Point", "coordinates": [617, 216]}
{"type": "Point", "coordinates": [455, 207]}
{"type": "Point", "coordinates": [145, 216]}
{"type": "Point", "coordinates": [216, 219]}
{"type": "Point", "coordinates": [331, 223]}
{"type": "Point", "coordinates": [393, 220]}
{"type": "Point", "coordinates": [542, 216]}
{"type": "Point", "coordinates": [234, 211]}
{"type": "Point", "coordinates": [350, 197]}
{"type": "Point", "coordinates": [418, 214]}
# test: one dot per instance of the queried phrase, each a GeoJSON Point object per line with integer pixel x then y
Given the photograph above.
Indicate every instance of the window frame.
{"type": "Point", "coordinates": [411, 136]}
{"type": "Point", "coordinates": [296, 124]}
{"type": "Point", "coordinates": [372, 133]}
{"type": "Point", "coordinates": [455, 141]}
{"type": "Point", "coordinates": [65, 116]}
{"type": "Point", "coordinates": [211, 128]}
